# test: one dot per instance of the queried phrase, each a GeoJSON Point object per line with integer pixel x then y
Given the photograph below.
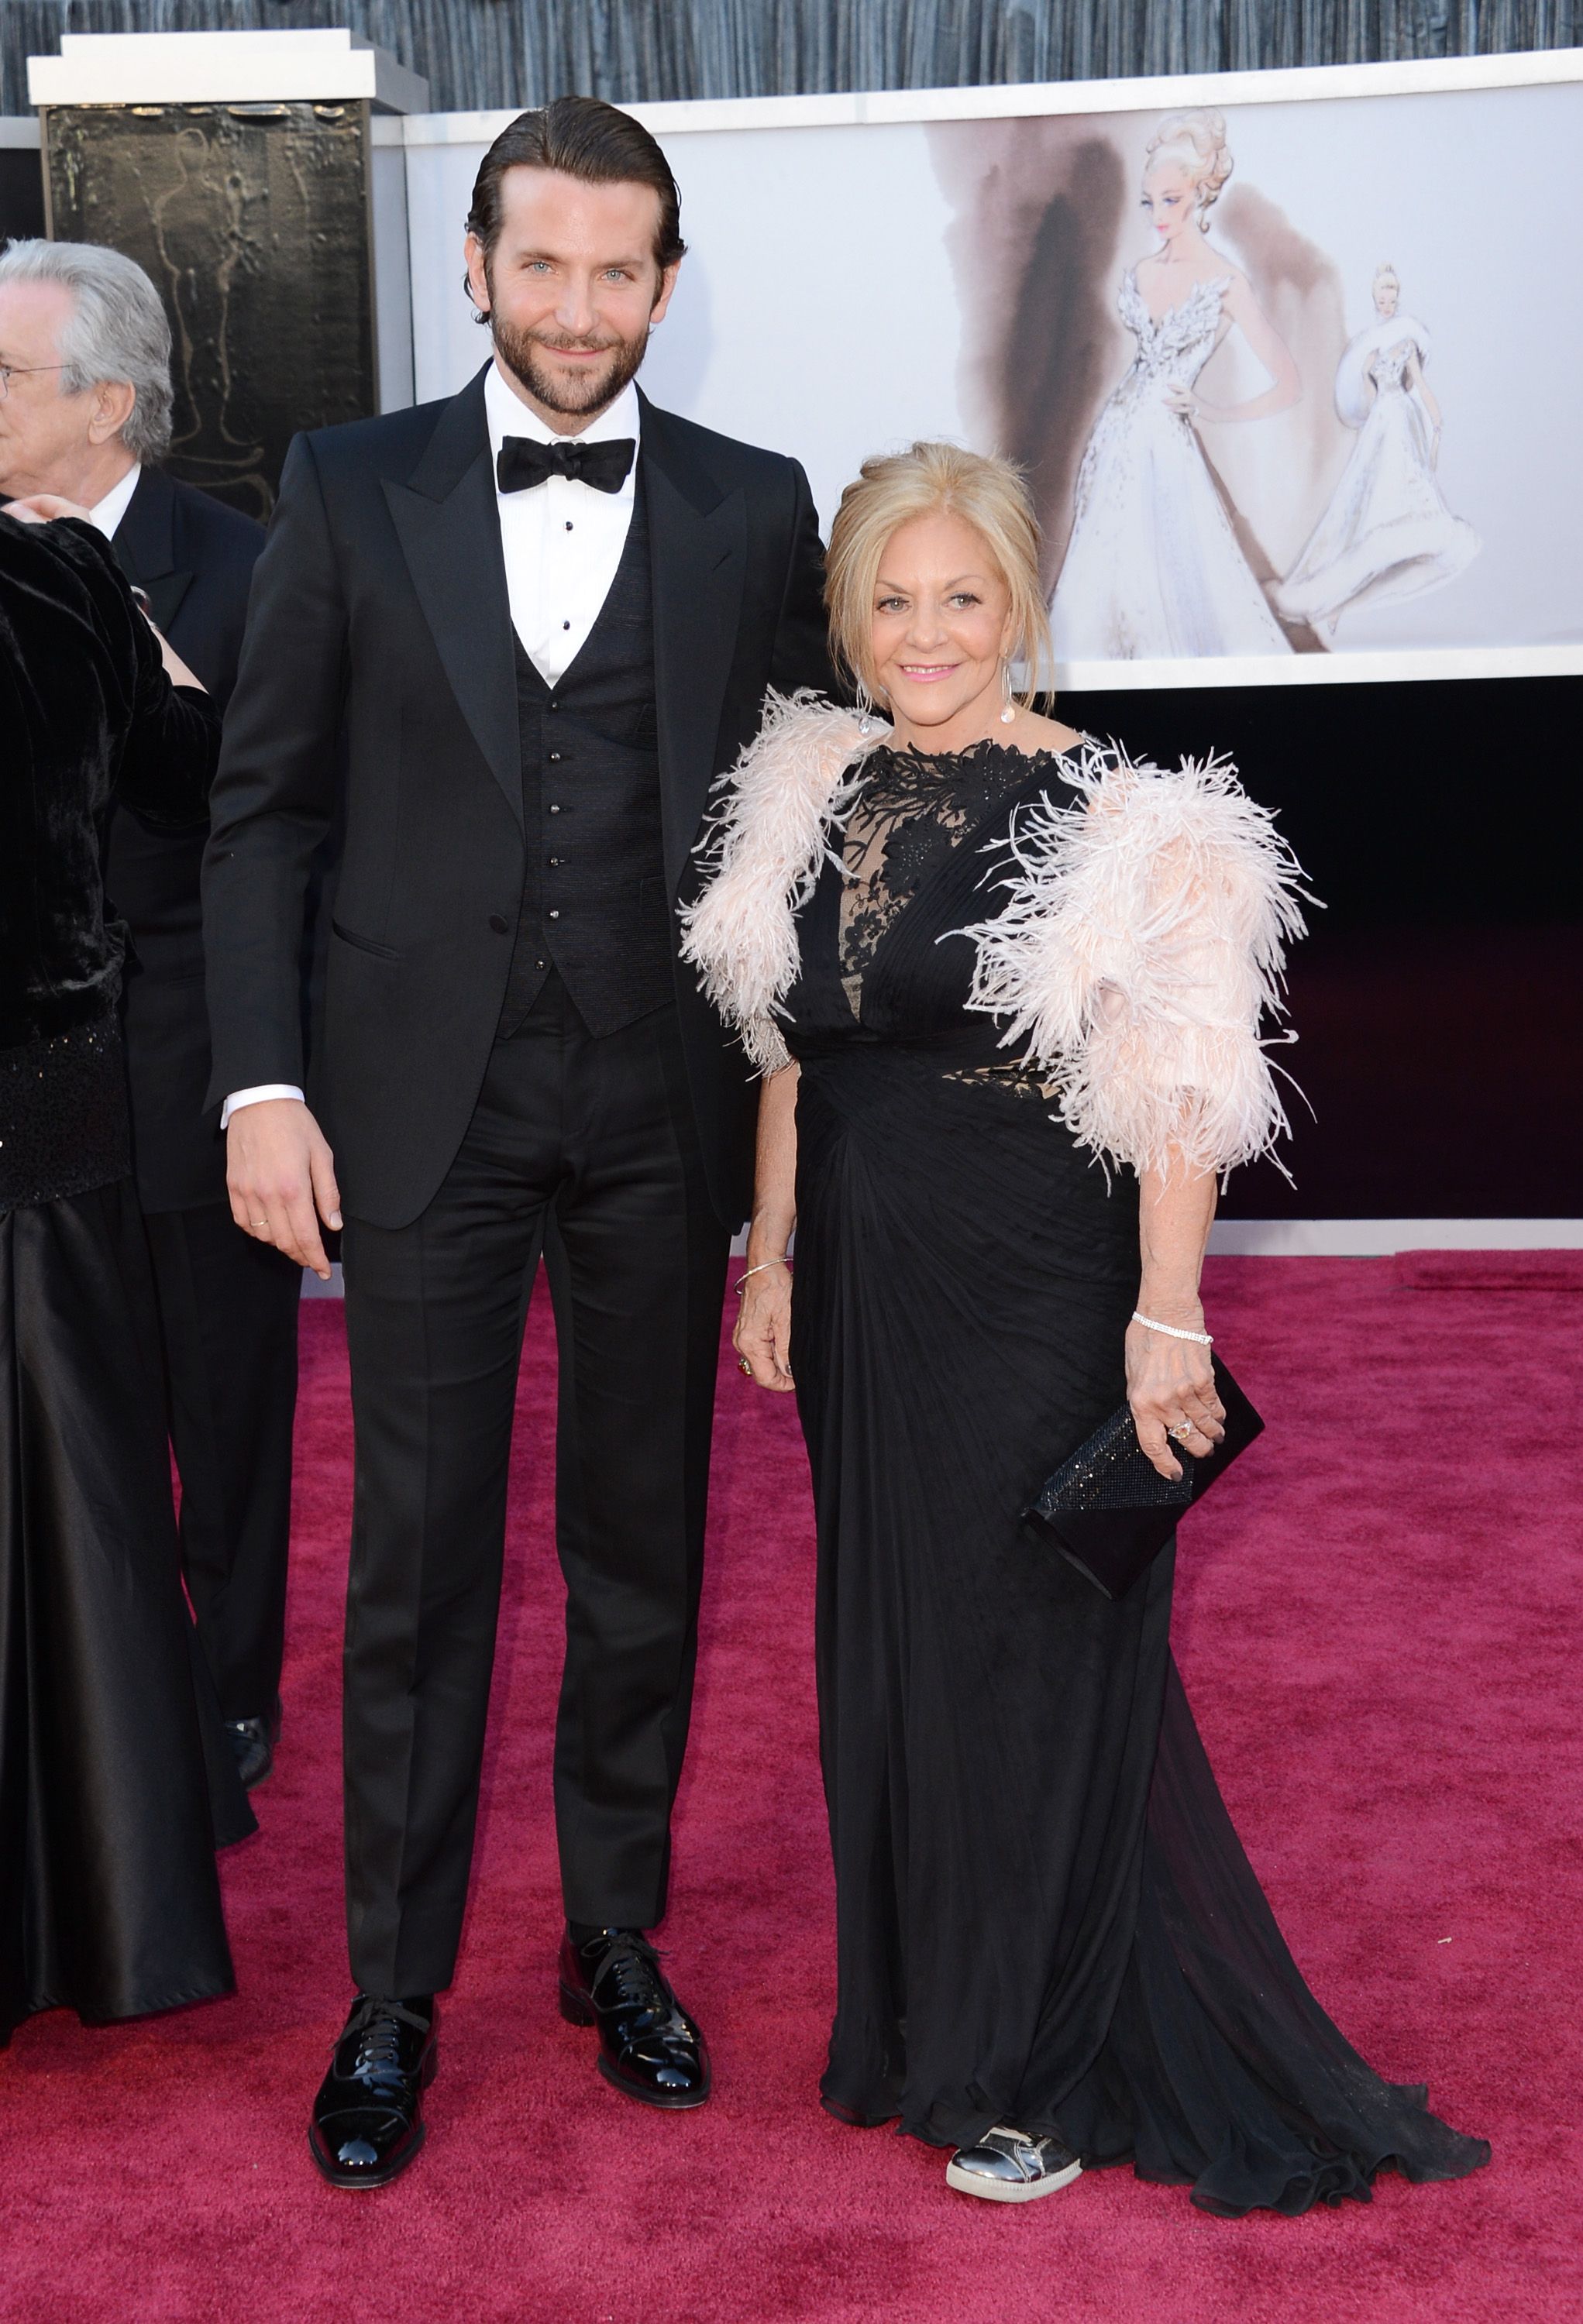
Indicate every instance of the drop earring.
{"type": "Point", "coordinates": [864, 709]}
{"type": "Point", "coordinates": [1008, 707]}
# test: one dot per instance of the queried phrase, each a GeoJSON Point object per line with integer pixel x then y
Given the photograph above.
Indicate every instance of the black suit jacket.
{"type": "Point", "coordinates": [194, 558]}
{"type": "Point", "coordinates": [380, 612]}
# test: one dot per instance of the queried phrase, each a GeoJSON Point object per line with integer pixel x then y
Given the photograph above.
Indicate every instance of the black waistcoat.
{"type": "Point", "coordinates": [594, 902]}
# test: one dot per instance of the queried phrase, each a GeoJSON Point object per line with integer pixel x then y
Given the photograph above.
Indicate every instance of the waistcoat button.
{"type": "Point", "coordinates": [555, 916]}
{"type": "Point", "coordinates": [497, 924]}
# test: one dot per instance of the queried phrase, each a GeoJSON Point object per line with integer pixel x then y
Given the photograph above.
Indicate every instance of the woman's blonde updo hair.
{"type": "Point", "coordinates": [1385, 272]}
{"type": "Point", "coordinates": [1196, 142]}
{"type": "Point", "coordinates": [890, 491]}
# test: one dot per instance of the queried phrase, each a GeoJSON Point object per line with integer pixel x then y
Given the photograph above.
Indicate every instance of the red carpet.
{"type": "Point", "coordinates": [1379, 1624]}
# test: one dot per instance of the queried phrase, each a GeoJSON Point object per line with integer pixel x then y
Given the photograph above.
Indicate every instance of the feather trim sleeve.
{"type": "Point", "coordinates": [761, 856]}
{"type": "Point", "coordinates": [1142, 944]}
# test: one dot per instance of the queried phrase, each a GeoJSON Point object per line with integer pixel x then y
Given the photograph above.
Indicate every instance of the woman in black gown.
{"type": "Point", "coordinates": [114, 1791]}
{"type": "Point", "coordinates": [1008, 1046]}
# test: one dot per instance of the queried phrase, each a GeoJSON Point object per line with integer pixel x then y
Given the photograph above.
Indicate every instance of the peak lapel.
{"type": "Point", "coordinates": [447, 522]}
{"type": "Point", "coordinates": [697, 550]}
{"type": "Point", "coordinates": [145, 546]}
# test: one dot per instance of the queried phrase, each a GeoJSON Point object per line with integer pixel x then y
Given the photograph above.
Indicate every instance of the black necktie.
{"type": "Point", "coordinates": [523, 462]}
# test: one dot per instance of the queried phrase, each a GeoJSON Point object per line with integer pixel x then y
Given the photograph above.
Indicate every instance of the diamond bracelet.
{"type": "Point", "coordinates": [1174, 1332]}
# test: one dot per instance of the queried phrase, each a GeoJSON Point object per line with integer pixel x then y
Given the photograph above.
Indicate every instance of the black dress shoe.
{"type": "Point", "coordinates": [367, 2121]}
{"type": "Point", "coordinates": [253, 1742]}
{"type": "Point", "coordinates": [649, 2047]}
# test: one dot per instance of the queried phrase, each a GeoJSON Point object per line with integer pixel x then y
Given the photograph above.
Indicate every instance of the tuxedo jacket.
{"type": "Point", "coordinates": [194, 558]}
{"type": "Point", "coordinates": [378, 692]}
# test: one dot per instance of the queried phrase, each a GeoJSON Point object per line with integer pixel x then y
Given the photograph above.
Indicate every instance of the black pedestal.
{"type": "Point", "coordinates": [253, 221]}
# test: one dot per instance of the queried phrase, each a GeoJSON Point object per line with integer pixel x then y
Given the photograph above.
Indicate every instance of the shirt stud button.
{"type": "Point", "coordinates": [555, 916]}
{"type": "Point", "coordinates": [555, 762]}
{"type": "Point", "coordinates": [554, 810]}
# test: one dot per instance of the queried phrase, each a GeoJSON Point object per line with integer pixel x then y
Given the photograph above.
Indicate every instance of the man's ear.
{"type": "Point", "coordinates": [477, 274]}
{"type": "Point", "coordinates": [666, 284]}
{"type": "Point", "coordinates": [113, 402]}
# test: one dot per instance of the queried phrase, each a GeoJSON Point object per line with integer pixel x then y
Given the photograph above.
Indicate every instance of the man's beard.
{"type": "Point", "coordinates": [521, 352]}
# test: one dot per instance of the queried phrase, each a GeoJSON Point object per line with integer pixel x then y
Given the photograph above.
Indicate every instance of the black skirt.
{"type": "Point", "coordinates": [115, 1787]}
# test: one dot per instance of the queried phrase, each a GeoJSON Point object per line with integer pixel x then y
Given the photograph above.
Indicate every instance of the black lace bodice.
{"type": "Point", "coordinates": [919, 855]}
{"type": "Point", "coordinates": [910, 813]}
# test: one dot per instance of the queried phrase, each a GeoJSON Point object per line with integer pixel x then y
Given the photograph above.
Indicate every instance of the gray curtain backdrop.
{"type": "Point", "coordinates": [484, 53]}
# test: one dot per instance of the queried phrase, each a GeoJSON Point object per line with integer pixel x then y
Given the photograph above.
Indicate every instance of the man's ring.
{"type": "Point", "coordinates": [744, 1366]}
{"type": "Point", "coordinates": [261, 1222]}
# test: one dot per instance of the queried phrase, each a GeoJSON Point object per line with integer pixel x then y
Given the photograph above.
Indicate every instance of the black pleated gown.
{"type": "Point", "coordinates": [116, 1780]}
{"type": "Point", "coordinates": [1044, 1916]}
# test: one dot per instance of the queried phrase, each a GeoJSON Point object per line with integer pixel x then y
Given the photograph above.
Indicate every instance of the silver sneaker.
{"type": "Point", "coordinates": [1007, 2166]}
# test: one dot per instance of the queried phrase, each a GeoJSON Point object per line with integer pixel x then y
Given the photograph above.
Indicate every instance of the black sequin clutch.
{"type": "Point", "coordinates": [1109, 1509]}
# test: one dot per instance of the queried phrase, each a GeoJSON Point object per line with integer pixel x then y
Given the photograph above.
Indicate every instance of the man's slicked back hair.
{"type": "Point", "coordinates": [582, 137]}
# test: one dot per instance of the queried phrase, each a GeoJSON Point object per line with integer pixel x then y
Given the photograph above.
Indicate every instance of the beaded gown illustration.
{"type": "Point", "coordinates": [1386, 531]}
{"type": "Point", "coordinates": [1153, 566]}
{"type": "Point", "coordinates": [1044, 1915]}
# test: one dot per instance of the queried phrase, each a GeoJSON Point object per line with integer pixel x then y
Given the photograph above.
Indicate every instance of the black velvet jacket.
{"type": "Point", "coordinates": [87, 717]}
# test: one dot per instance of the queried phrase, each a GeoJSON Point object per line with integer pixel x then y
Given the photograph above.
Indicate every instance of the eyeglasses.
{"type": "Point", "coordinates": [21, 370]}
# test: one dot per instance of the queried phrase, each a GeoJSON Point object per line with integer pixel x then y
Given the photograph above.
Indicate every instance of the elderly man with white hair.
{"type": "Point", "coordinates": [85, 420]}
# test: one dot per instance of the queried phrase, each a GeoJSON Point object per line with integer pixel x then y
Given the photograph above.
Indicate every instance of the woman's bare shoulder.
{"type": "Point", "coordinates": [1036, 734]}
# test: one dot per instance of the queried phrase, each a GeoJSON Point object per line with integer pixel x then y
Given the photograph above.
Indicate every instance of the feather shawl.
{"type": "Point", "coordinates": [1141, 942]}
{"type": "Point", "coordinates": [1141, 945]}
{"type": "Point", "coordinates": [761, 856]}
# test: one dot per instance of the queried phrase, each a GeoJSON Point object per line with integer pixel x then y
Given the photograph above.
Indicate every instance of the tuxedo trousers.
{"type": "Point", "coordinates": [582, 1150]}
{"type": "Point", "coordinates": [228, 1330]}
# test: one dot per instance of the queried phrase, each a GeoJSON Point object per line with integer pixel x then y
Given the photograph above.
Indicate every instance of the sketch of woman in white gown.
{"type": "Point", "coordinates": [1153, 566]}
{"type": "Point", "coordinates": [1387, 531]}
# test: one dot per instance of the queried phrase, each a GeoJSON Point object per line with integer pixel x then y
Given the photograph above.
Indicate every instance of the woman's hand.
{"type": "Point", "coordinates": [1183, 403]}
{"type": "Point", "coordinates": [1171, 1387]}
{"type": "Point", "coordinates": [43, 508]}
{"type": "Point", "coordinates": [763, 1337]}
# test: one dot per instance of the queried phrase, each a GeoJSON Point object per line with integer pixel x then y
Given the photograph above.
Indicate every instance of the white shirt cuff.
{"type": "Point", "coordinates": [239, 1098]}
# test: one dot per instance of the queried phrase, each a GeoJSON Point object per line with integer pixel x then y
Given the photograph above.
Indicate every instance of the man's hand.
{"type": "Point", "coordinates": [280, 1172]}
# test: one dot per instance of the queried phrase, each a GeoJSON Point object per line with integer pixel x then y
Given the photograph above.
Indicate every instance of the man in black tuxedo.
{"type": "Point", "coordinates": [86, 420]}
{"type": "Point", "coordinates": [542, 650]}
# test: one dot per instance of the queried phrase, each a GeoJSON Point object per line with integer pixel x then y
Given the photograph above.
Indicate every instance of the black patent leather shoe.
{"type": "Point", "coordinates": [649, 2047]}
{"type": "Point", "coordinates": [253, 1742]}
{"type": "Point", "coordinates": [367, 2120]}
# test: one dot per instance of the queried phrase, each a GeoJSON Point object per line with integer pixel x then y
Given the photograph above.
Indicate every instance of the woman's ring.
{"type": "Point", "coordinates": [744, 1366]}
{"type": "Point", "coordinates": [1182, 1431]}
{"type": "Point", "coordinates": [261, 1222]}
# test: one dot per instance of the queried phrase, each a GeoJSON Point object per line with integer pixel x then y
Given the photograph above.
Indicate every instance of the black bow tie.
{"type": "Point", "coordinates": [523, 462]}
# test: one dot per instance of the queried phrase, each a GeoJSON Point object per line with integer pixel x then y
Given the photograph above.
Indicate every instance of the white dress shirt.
{"type": "Point", "coordinates": [108, 513]}
{"type": "Point", "coordinates": [561, 540]}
